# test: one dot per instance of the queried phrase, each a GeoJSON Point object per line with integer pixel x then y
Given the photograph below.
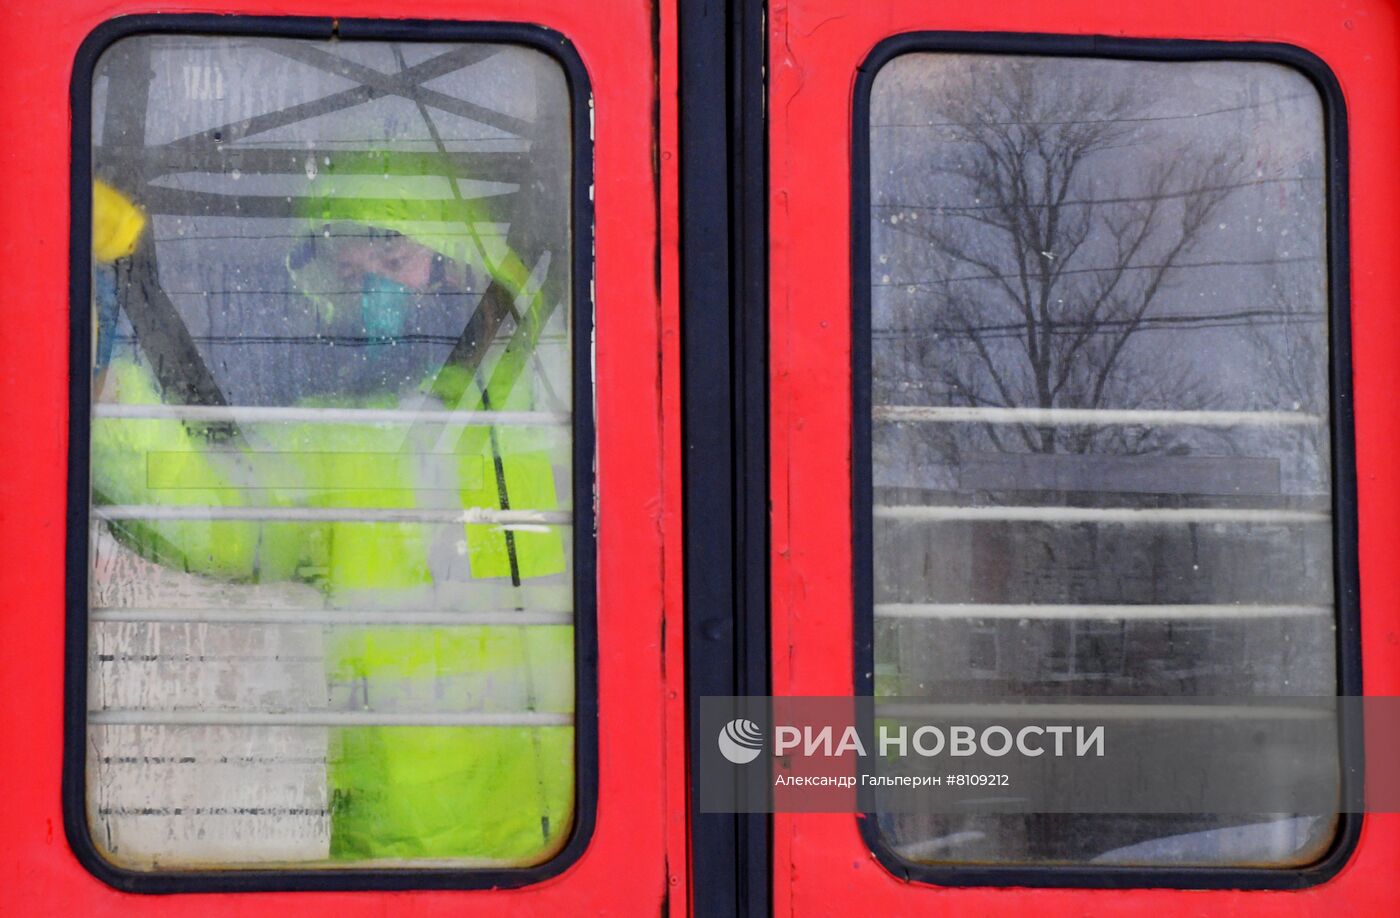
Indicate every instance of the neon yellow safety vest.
{"type": "Point", "coordinates": [498, 793]}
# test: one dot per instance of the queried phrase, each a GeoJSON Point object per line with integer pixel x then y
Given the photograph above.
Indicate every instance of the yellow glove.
{"type": "Point", "coordinates": [116, 223]}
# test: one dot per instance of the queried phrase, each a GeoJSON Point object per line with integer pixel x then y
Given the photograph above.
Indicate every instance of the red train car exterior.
{"type": "Point", "coordinates": [639, 831]}
{"type": "Point", "coordinates": [817, 49]}
{"type": "Point", "coordinates": [723, 148]}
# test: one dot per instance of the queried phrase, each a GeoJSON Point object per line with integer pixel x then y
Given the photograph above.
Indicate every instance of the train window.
{"type": "Point", "coordinates": [335, 527]}
{"type": "Point", "coordinates": [1099, 411]}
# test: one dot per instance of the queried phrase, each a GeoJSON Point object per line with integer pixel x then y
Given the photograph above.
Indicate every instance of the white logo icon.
{"type": "Point", "coordinates": [740, 741]}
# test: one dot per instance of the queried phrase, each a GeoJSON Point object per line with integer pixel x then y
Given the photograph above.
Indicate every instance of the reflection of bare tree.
{"type": "Point", "coordinates": [1050, 259]}
{"type": "Point", "coordinates": [1289, 336]}
{"type": "Point", "coordinates": [1295, 352]}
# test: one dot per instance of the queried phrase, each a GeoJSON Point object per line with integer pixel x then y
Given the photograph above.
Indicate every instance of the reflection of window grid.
{"type": "Point", "coordinates": [1088, 650]}
{"type": "Point", "coordinates": [982, 644]}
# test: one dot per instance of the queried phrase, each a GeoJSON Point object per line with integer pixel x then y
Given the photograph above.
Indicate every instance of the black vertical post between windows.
{"type": "Point", "coordinates": [724, 349]}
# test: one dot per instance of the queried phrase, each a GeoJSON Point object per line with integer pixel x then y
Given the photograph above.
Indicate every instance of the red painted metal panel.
{"type": "Point", "coordinates": [821, 863]}
{"type": "Point", "coordinates": [634, 861]}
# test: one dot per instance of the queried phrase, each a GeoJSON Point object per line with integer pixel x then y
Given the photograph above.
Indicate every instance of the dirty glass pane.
{"type": "Point", "coordinates": [331, 585]}
{"type": "Point", "coordinates": [1100, 410]}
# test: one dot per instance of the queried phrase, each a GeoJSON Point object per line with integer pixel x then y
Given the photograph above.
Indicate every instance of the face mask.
{"type": "Point", "coordinates": [384, 305]}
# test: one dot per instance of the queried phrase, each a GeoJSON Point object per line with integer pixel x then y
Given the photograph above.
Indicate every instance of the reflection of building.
{"type": "Point", "coordinates": [1213, 608]}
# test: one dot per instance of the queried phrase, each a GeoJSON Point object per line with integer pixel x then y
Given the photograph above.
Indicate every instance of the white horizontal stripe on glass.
{"type": "Point", "coordinates": [331, 616]}
{"type": "Point", "coordinates": [112, 718]}
{"type": "Point", "coordinates": [1096, 417]}
{"type": "Point", "coordinates": [483, 515]}
{"type": "Point", "coordinates": [1150, 612]}
{"type": "Point", "coordinates": [921, 513]}
{"type": "Point", "coordinates": [250, 414]}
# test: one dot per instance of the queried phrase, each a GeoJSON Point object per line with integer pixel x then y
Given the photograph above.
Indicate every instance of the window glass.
{"type": "Point", "coordinates": [331, 595]}
{"type": "Point", "coordinates": [1099, 353]}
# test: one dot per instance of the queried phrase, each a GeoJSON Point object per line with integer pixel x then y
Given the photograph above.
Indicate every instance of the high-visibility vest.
{"type": "Point", "coordinates": [411, 792]}
{"type": "Point", "coordinates": [498, 793]}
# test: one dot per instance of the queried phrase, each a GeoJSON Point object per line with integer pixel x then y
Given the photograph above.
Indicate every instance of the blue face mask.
{"type": "Point", "coordinates": [384, 306]}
